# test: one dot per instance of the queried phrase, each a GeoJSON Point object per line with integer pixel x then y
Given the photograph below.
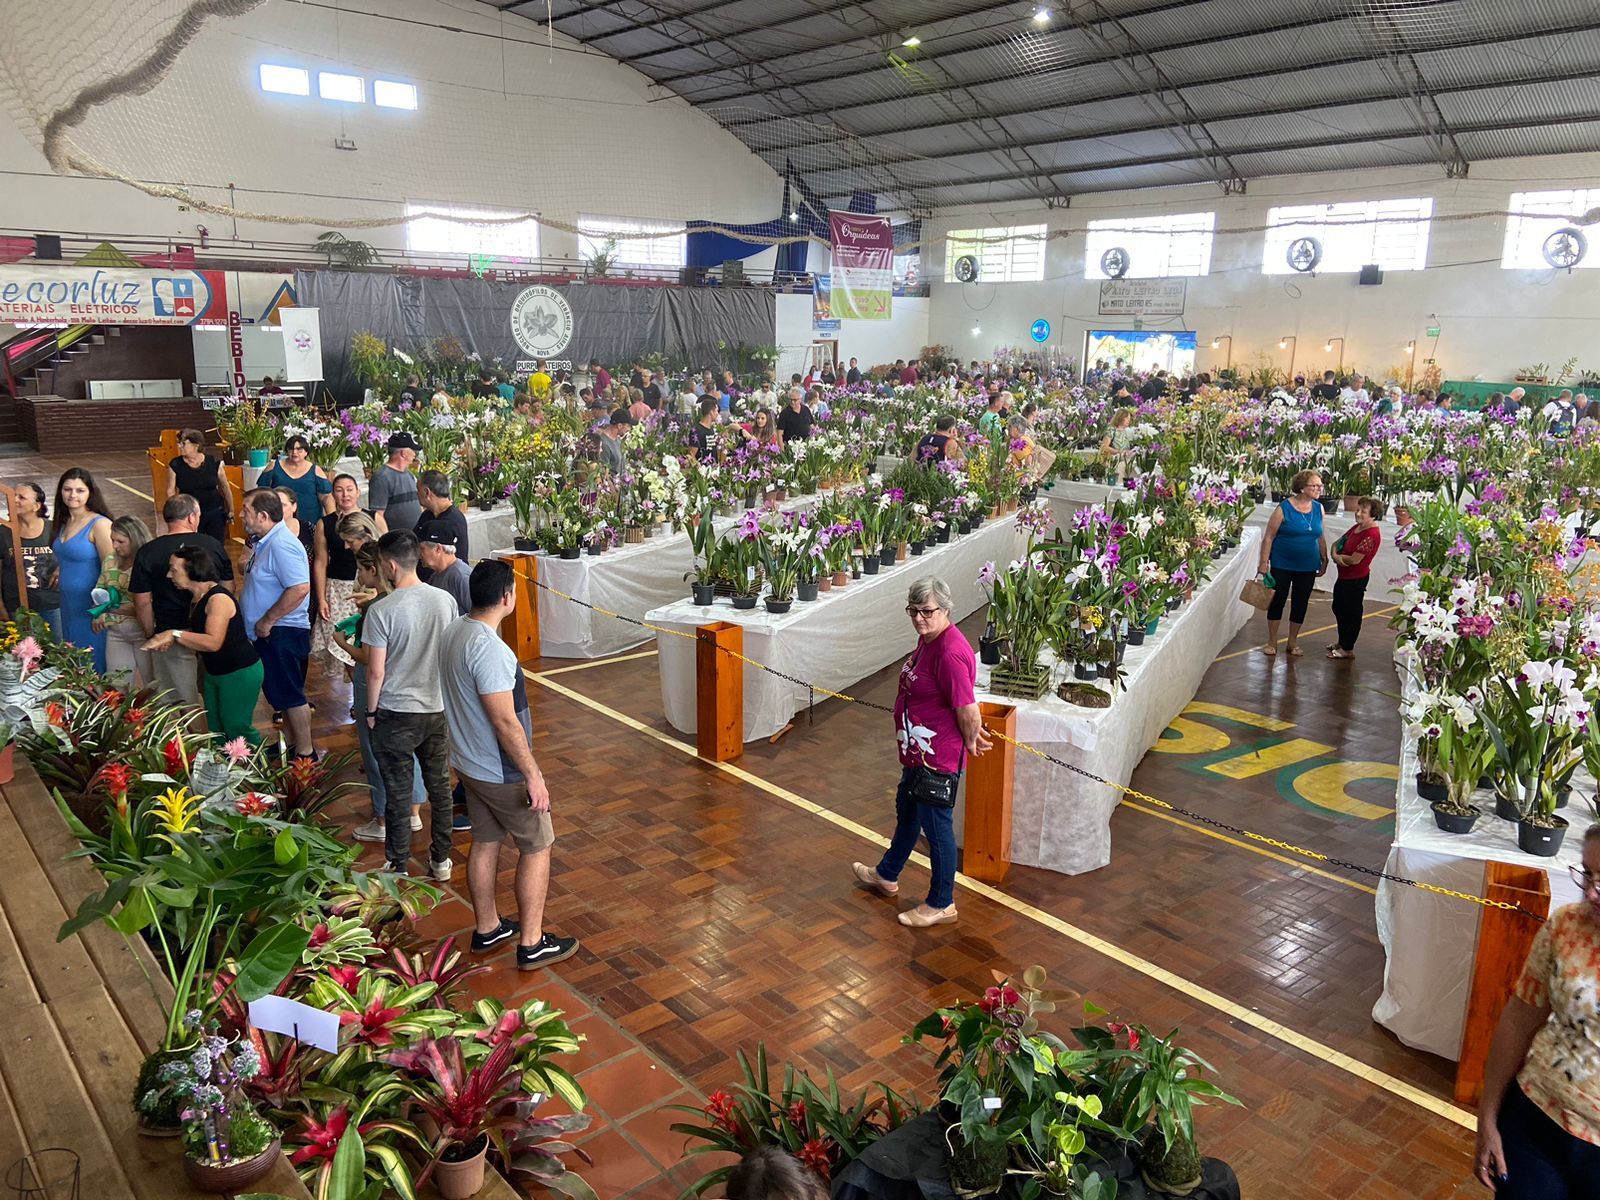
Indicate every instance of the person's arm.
{"type": "Point", "coordinates": [145, 613]}
{"type": "Point", "coordinates": [324, 609]}
{"type": "Point", "coordinates": [378, 499]}
{"type": "Point", "coordinates": [324, 491]}
{"type": "Point", "coordinates": [287, 603]}
{"type": "Point", "coordinates": [377, 657]}
{"type": "Point", "coordinates": [1275, 520]}
{"type": "Point", "coordinates": [1322, 548]}
{"type": "Point", "coordinates": [972, 734]}
{"type": "Point", "coordinates": [1519, 1022]}
{"type": "Point", "coordinates": [501, 711]}
{"type": "Point", "coordinates": [172, 481]}
{"type": "Point", "coordinates": [226, 492]}
{"type": "Point", "coordinates": [216, 633]}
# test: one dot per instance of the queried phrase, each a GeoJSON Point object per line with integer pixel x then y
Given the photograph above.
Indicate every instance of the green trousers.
{"type": "Point", "coordinates": [231, 702]}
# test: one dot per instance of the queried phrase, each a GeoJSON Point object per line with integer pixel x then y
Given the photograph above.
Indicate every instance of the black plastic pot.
{"type": "Point", "coordinates": [1452, 822]}
{"type": "Point", "coordinates": [570, 553]}
{"type": "Point", "coordinates": [1082, 671]}
{"type": "Point", "coordinates": [807, 592]}
{"type": "Point", "coordinates": [1279, 497]}
{"type": "Point", "coordinates": [988, 651]}
{"type": "Point", "coordinates": [943, 535]}
{"type": "Point", "coordinates": [1330, 504]}
{"type": "Point", "coordinates": [1431, 791]}
{"type": "Point", "coordinates": [888, 555]}
{"type": "Point", "coordinates": [704, 593]}
{"type": "Point", "coordinates": [594, 549]}
{"type": "Point", "coordinates": [1102, 670]}
{"type": "Point", "coordinates": [779, 606]}
{"type": "Point", "coordinates": [869, 565]}
{"type": "Point", "coordinates": [524, 545]}
{"type": "Point", "coordinates": [1541, 840]}
{"type": "Point", "coordinates": [1505, 809]}
{"type": "Point", "coordinates": [917, 548]}
{"type": "Point", "coordinates": [1172, 604]}
{"type": "Point", "coordinates": [1136, 636]}
{"type": "Point", "coordinates": [744, 601]}
{"type": "Point", "coordinates": [977, 520]}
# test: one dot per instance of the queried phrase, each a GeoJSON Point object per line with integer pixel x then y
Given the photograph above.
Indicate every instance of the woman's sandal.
{"type": "Point", "coordinates": [1294, 652]}
{"type": "Point", "coordinates": [1270, 650]}
{"type": "Point", "coordinates": [917, 919]}
{"type": "Point", "coordinates": [870, 877]}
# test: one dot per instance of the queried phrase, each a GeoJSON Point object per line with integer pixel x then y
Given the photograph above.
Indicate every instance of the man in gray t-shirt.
{"type": "Point", "coordinates": [392, 494]}
{"type": "Point", "coordinates": [448, 573]}
{"type": "Point", "coordinates": [401, 634]}
{"type": "Point", "coordinates": [486, 706]}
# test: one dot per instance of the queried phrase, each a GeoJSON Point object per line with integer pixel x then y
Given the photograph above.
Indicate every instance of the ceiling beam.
{"type": "Point", "coordinates": [1237, 77]}
{"type": "Point", "coordinates": [1033, 77]}
{"type": "Point", "coordinates": [1156, 160]}
{"type": "Point", "coordinates": [1400, 64]}
{"type": "Point", "coordinates": [1132, 129]}
{"type": "Point", "coordinates": [633, 23]}
{"type": "Point", "coordinates": [724, 34]}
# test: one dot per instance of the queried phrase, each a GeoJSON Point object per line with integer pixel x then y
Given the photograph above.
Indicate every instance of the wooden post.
{"type": "Point", "coordinates": [719, 691]}
{"type": "Point", "coordinates": [986, 837]}
{"type": "Point", "coordinates": [1504, 938]}
{"type": "Point", "coordinates": [236, 492]}
{"type": "Point", "coordinates": [9, 495]}
{"type": "Point", "coordinates": [159, 456]}
{"type": "Point", "coordinates": [520, 630]}
{"type": "Point", "coordinates": [169, 441]}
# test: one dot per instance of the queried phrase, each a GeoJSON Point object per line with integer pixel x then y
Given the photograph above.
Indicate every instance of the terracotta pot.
{"type": "Point", "coordinates": [901, 551]}
{"type": "Point", "coordinates": [825, 583]}
{"type": "Point", "coordinates": [840, 578]}
{"type": "Point", "coordinates": [8, 762]}
{"type": "Point", "coordinates": [459, 1180]}
{"type": "Point", "coordinates": [234, 1176]}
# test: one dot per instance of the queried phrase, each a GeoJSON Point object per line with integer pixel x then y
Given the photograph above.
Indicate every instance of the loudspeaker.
{"type": "Point", "coordinates": [1371, 275]}
{"type": "Point", "coordinates": [46, 245]}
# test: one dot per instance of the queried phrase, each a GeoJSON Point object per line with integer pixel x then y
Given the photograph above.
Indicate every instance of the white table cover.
{"type": "Point", "coordinates": [1066, 498]}
{"type": "Point", "coordinates": [1059, 819]}
{"type": "Point", "coordinates": [836, 640]}
{"type": "Point", "coordinates": [1429, 940]}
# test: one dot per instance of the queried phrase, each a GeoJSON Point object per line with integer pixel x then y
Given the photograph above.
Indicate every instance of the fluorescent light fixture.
{"type": "Point", "coordinates": [1041, 17]}
{"type": "Point", "coordinates": [332, 85]}
{"type": "Point", "coordinates": [913, 41]}
{"type": "Point", "coordinates": [286, 81]}
{"type": "Point", "coordinates": [389, 93]}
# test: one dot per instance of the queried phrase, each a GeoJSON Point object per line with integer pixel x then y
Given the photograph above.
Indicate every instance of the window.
{"type": "Point", "coordinates": [1544, 213]}
{"type": "Point", "coordinates": [517, 241]}
{"type": "Point", "coordinates": [1009, 254]}
{"type": "Point", "coordinates": [286, 81]}
{"type": "Point", "coordinates": [387, 93]}
{"type": "Point", "coordinates": [331, 85]}
{"type": "Point", "coordinates": [1157, 246]}
{"type": "Point", "coordinates": [1391, 233]}
{"type": "Point", "coordinates": [664, 253]}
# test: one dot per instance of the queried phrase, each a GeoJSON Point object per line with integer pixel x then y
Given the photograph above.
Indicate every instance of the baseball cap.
{"type": "Point", "coordinates": [439, 534]}
{"type": "Point", "coordinates": [403, 440]}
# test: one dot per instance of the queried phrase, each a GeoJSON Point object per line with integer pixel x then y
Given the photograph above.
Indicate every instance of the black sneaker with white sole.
{"type": "Point", "coordinates": [550, 949]}
{"type": "Point", "coordinates": [398, 868]}
{"type": "Point", "coordinates": [487, 941]}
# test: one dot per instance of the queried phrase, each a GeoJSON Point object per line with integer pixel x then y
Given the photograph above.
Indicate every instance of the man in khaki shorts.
{"type": "Point", "coordinates": [486, 707]}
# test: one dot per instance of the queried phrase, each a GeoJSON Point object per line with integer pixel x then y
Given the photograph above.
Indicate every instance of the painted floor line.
{"type": "Point", "coordinates": [134, 490]}
{"type": "Point", "coordinates": [599, 662]}
{"type": "Point", "coordinates": [1229, 1008]}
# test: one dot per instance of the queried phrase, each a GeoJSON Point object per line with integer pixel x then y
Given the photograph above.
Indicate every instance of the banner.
{"type": "Point", "coordinates": [34, 294]}
{"type": "Point", "coordinates": [302, 343]}
{"type": "Point", "coordinates": [1143, 297]}
{"type": "Point", "coordinates": [863, 266]}
{"type": "Point", "coordinates": [822, 318]}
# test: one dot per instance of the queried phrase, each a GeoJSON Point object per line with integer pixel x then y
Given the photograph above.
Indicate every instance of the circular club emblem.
{"type": "Point", "coordinates": [1040, 330]}
{"type": "Point", "coordinates": [302, 340]}
{"type": "Point", "coordinates": [541, 321]}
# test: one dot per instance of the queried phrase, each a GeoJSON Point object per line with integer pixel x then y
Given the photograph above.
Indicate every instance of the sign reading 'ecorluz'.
{"type": "Point", "coordinates": [541, 320]}
{"type": "Point", "coordinates": [39, 295]}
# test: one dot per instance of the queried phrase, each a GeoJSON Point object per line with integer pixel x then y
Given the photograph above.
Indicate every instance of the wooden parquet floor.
{"type": "Point", "coordinates": [715, 914]}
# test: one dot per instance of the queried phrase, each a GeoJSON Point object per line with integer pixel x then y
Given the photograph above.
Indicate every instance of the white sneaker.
{"type": "Point", "coordinates": [416, 820]}
{"type": "Point", "coordinates": [440, 871]}
{"type": "Point", "coordinates": [372, 831]}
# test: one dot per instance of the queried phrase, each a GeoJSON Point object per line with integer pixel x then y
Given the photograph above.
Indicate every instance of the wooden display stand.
{"type": "Point", "coordinates": [1504, 938]}
{"type": "Point", "coordinates": [991, 776]}
{"type": "Point", "coordinates": [520, 630]}
{"type": "Point", "coordinates": [719, 691]}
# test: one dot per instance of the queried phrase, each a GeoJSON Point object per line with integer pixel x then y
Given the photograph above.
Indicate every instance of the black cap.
{"type": "Point", "coordinates": [403, 440]}
{"type": "Point", "coordinates": [439, 534]}
{"type": "Point", "coordinates": [622, 417]}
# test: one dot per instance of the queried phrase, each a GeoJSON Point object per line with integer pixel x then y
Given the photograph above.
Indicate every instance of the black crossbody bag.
{"type": "Point", "coordinates": [935, 788]}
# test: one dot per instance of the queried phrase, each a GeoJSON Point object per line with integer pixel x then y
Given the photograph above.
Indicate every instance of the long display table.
{"type": "Point", "coordinates": [1059, 819]}
{"type": "Point", "coordinates": [1429, 939]}
{"type": "Point", "coordinates": [841, 637]}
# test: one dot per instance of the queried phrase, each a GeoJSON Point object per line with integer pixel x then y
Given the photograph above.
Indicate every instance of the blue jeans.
{"type": "Point", "coordinates": [380, 798]}
{"type": "Point", "coordinates": [1543, 1160]}
{"type": "Point", "coordinates": [910, 819]}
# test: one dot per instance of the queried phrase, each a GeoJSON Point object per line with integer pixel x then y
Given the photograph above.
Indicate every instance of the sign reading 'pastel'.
{"type": "Point", "coordinates": [541, 321]}
{"type": "Point", "coordinates": [31, 294]}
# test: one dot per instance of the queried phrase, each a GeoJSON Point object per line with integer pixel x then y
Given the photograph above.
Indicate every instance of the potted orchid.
{"type": "Point", "coordinates": [1458, 748]}
{"type": "Point", "coordinates": [1538, 718]}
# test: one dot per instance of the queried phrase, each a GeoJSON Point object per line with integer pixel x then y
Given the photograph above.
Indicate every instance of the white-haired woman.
{"type": "Point", "coordinates": [938, 726]}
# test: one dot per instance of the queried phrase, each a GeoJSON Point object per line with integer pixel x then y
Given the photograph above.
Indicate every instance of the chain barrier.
{"type": "Point", "coordinates": [1127, 791]}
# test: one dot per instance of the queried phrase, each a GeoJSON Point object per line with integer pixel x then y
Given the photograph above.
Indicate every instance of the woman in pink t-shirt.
{"type": "Point", "coordinates": [937, 723]}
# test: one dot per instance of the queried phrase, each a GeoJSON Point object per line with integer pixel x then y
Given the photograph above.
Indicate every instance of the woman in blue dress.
{"type": "Point", "coordinates": [1295, 552]}
{"type": "Point", "coordinates": [81, 539]}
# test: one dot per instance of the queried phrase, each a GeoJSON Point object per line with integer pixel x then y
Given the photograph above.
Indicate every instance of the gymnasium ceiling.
{"type": "Point", "coordinates": [1041, 101]}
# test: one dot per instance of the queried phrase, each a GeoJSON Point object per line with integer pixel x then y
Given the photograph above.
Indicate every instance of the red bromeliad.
{"type": "Point", "coordinates": [372, 1023]}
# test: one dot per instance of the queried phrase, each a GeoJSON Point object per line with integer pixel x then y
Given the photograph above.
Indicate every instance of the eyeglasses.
{"type": "Point", "coordinates": [926, 614]}
{"type": "Point", "coordinates": [1584, 879]}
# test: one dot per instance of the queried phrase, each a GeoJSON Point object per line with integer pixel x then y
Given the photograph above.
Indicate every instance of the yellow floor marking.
{"type": "Point", "coordinates": [134, 490]}
{"type": "Point", "coordinates": [599, 662]}
{"type": "Point", "coordinates": [1305, 633]}
{"type": "Point", "coordinates": [1269, 758]}
{"type": "Point", "coordinates": [1222, 837]}
{"type": "Point", "coordinates": [1193, 738]}
{"type": "Point", "coordinates": [1324, 786]}
{"type": "Point", "coordinates": [1228, 1008]}
{"type": "Point", "coordinates": [1241, 715]}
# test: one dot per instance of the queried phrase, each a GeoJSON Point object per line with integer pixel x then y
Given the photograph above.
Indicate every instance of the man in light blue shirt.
{"type": "Point", "coordinates": [275, 605]}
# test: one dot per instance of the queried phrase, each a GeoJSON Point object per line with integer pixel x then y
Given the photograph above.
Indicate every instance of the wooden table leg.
{"type": "Point", "coordinates": [719, 691]}
{"type": "Point", "coordinates": [991, 777]}
{"type": "Point", "coordinates": [520, 630]}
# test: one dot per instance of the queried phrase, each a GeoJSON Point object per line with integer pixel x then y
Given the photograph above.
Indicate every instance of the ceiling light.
{"type": "Point", "coordinates": [1216, 343]}
{"type": "Point", "coordinates": [794, 216]}
{"type": "Point", "coordinates": [1041, 17]}
{"type": "Point", "coordinates": [1411, 347]}
{"type": "Point", "coordinates": [913, 41]}
{"type": "Point", "coordinates": [1283, 343]}
{"type": "Point", "coordinates": [976, 330]}
{"type": "Point", "coordinates": [1328, 347]}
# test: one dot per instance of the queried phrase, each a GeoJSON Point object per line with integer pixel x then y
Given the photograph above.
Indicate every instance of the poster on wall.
{"type": "Point", "coordinates": [35, 294]}
{"type": "Point", "coordinates": [1143, 297]}
{"type": "Point", "coordinates": [1143, 350]}
{"type": "Point", "coordinates": [302, 343]}
{"type": "Point", "coordinates": [863, 266]}
{"type": "Point", "coordinates": [822, 318]}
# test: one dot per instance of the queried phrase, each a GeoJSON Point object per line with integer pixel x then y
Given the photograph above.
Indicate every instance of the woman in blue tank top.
{"type": "Point", "coordinates": [1295, 553]}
